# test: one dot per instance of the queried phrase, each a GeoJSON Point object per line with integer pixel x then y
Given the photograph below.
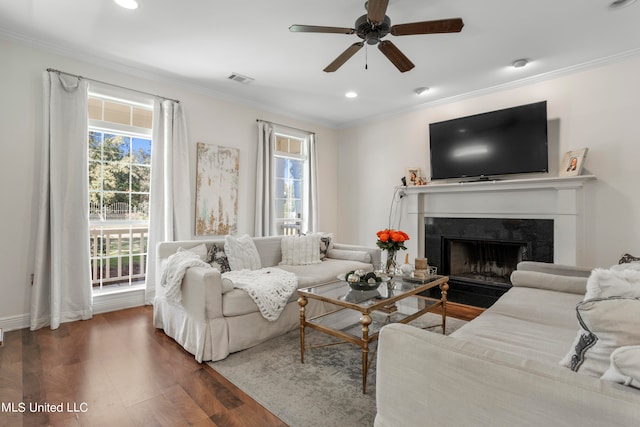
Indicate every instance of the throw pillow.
{"type": "Point", "coordinates": [608, 324]}
{"type": "Point", "coordinates": [326, 244]}
{"type": "Point", "coordinates": [625, 366]}
{"type": "Point", "coordinates": [200, 250]}
{"type": "Point", "coordinates": [626, 258]}
{"type": "Point", "coordinates": [218, 258]}
{"type": "Point", "coordinates": [622, 280]}
{"type": "Point", "coordinates": [619, 281]}
{"type": "Point", "coordinates": [242, 253]}
{"type": "Point", "coordinates": [300, 250]}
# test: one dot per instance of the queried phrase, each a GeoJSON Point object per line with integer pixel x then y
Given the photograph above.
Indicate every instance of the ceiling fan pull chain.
{"type": "Point", "coordinates": [366, 57]}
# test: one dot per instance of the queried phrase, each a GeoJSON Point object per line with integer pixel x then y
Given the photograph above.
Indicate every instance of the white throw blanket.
{"type": "Point", "coordinates": [173, 273]}
{"type": "Point", "coordinates": [270, 288]}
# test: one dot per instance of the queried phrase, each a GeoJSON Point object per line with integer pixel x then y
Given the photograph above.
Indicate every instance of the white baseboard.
{"type": "Point", "coordinates": [14, 323]}
{"type": "Point", "coordinates": [101, 304]}
{"type": "Point", "coordinates": [105, 303]}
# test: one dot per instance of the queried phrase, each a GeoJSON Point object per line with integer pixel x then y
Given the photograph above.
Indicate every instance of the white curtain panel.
{"type": "Point", "coordinates": [312, 183]}
{"type": "Point", "coordinates": [265, 224]}
{"type": "Point", "coordinates": [170, 212]}
{"type": "Point", "coordinates": [62, 278]}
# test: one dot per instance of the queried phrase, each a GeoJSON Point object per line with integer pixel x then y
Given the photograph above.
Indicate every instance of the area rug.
{"type": "Point", "coordinates": [324, 391]}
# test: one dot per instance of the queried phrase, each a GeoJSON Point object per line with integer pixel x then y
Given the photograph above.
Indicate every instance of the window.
{"type": "Point", "coordinates": [291, 173]}
{"type": "Point", "coordinates": [119, 161]}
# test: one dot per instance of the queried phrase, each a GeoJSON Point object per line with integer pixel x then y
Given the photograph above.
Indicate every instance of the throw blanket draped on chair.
{"type": "Point", "coordinates": [270, 288]}
{"type": "Point", "coordinates": [177, 265]}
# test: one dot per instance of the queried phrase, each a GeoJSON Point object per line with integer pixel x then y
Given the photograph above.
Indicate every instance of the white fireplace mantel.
{"type": "Point", "coordinates": [559, 198]}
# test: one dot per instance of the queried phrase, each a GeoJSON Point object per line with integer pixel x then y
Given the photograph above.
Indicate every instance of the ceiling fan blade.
{"type": "Point", "coordinates": [453, 25]}
{"type": "Point", "coordinates": [376, 10]}
{"type": "Point", "coordinates": [394, 55]}
{"type": "Point", "coordinates": [344, 56]}
{"type": "Point", "coordinates": [320, 29]}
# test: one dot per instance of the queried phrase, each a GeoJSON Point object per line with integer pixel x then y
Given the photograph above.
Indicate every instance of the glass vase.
{"type": "Point", "coordinates": [391, 262]}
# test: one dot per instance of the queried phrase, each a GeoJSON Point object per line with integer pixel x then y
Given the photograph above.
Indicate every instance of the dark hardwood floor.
{"type": "Point", "coordinates": [120, 371]}
{"type": "Point", "coordinates": [462, 311]}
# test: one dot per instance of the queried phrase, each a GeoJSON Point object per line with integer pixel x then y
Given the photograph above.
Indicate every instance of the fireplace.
{"type": "Point", "coordinates": [479, 254]}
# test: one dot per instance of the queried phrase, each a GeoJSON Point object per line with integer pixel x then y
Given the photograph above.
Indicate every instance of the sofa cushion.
{"type": "Point", "coordinates": [608, 324]}
{"type": "Point", "coordinates": [555, 282]}
{"type": "Point", "coordinates": [624, 366]}
{"type": "Point", "coordinates": [532, 323]}
{"type": "Point", "coordinates": [326, 272]}
{"type": "Point", "coordinates": [269, 250]}
{"type": "Point", "coordinates": [200, 250]}
{"type": "Point", "coordinates": [349, 255]}
{"type": "Point", "coordinates": [300, 249]}
{"type": "Point", "coordinates": [237, 302]}
{"type": "Point", "coordinates": [242, 253]}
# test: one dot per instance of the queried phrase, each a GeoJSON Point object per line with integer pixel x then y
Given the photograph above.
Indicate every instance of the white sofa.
{"type": "Point", "coordinates": [214, 319]}
{"type": "Point", "coordinates": [502, 368]}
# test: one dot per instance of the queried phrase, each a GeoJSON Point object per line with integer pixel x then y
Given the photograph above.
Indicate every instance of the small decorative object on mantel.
{"type": "Point", "coordinates": [391, 241]}
{"type": "Point", "coordinates": [414, 177]}
{"type": "Point", "coordinates": [572, 162]}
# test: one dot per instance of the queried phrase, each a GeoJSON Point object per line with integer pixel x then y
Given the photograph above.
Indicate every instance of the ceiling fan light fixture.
{"type": "Point", "coordinates": [519, 63]}
{"type": "Point", "coordinates": [421, 91]}
{"type": "Point", "coordinates": [127, 4]}
{"type": "Point", "coordinates": [618, 4]}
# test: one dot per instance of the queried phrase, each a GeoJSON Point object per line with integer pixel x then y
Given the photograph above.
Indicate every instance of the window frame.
{"type": "Point", "coordinates": [302, 224]}
{"type": "Point", "coordinates": [136, 230]}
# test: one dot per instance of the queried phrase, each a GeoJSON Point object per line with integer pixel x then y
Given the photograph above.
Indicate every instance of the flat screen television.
{"type": "Point", "coordinates": [502, 142]}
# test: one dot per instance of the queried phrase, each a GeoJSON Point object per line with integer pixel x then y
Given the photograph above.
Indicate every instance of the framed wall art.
{"type": "Point", "coordinates": [572, 162]}
{"type": "Point", "coordinates": [217, 190]}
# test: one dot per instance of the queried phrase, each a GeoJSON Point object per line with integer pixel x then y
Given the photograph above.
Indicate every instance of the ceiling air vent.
{"type": "Point", "coordinates": [240, 78]}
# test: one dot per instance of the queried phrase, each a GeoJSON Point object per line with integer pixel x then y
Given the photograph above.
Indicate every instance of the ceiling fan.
{"type": "Point", "coordinates": [373, 26]}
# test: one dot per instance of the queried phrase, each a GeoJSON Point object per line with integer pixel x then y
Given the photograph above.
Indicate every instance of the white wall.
{"type": "Point", "coordinates": [209, 120]}
{"type": "Point", "coordinates": [597, 108]}
{"type": "Point", "coordinates": [360, 166]}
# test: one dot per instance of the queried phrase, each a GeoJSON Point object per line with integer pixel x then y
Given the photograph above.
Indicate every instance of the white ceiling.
{"type": "Point", "coordinates": [201, 42]}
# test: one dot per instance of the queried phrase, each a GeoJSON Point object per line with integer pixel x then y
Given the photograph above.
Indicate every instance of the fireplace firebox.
{"type": "Point", "coordinates": [479, 254]}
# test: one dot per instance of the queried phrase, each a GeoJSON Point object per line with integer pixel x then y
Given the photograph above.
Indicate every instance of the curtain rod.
{"type": "Point", "coordinates": [111, 84]}
{"type": "Point", "coordinates": [285, 126]}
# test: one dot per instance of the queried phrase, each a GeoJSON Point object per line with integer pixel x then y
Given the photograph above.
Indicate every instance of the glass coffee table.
{"type": "Point", "coordinates": [359, 315]}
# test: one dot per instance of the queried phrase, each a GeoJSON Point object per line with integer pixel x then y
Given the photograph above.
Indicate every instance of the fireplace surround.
{"type": "Point", "coordinates": [479, 254]}
{"type": "Point", "coordinates": [558, 201]}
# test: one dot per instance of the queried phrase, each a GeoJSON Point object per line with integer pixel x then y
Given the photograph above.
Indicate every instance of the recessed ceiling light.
{"type": "Point", "coordinates": [519, 63]}
{"type": "Point", "coordinates": [617, 4]}
{"type": "Point", "coordinates": [127, 4]}
{"type": "Point", "coordinates": [350, 94]}
{"type": "Point", "coordinates": [421, 90]}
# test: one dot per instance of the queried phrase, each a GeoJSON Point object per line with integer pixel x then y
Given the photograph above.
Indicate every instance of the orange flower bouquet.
{"type": "Point", "coordinates": [392, 241]}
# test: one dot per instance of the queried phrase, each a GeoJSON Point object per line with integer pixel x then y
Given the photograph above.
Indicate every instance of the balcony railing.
{"type": "Point", "coordinates": [290, 228]}
{"type": "Point", "coordinates": [118, 255]}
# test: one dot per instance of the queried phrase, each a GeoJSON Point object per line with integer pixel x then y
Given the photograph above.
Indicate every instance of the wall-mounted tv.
{"type": "Point", "coordinates": [502, 142]}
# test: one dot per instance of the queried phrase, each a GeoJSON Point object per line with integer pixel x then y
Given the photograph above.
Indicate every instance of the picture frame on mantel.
{"type": "Point", "coordinates": [414, 177]}
{"type": "Point", "coordinates": [572, 162]}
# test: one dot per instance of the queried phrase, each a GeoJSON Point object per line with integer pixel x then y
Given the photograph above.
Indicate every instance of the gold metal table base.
{"type": "Point", "coordinates": [365, 322]}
